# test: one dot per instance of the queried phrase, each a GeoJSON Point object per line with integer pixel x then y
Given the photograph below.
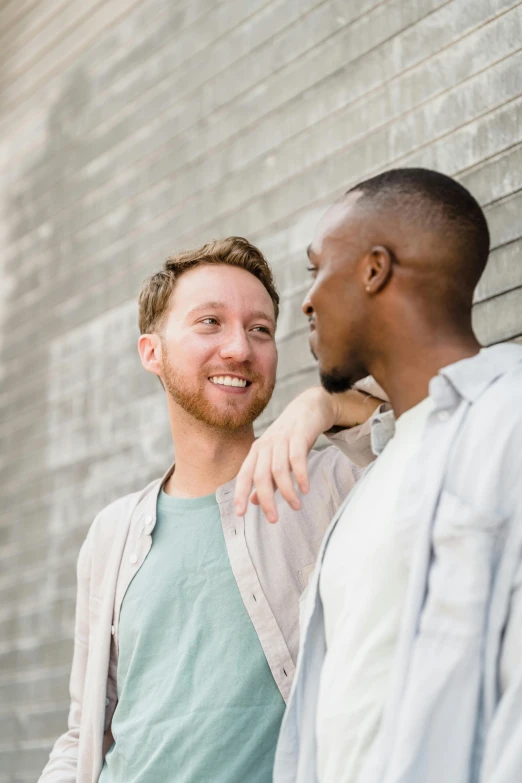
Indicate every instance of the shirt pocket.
{"type": "Point", "coordinates": [465, 546]}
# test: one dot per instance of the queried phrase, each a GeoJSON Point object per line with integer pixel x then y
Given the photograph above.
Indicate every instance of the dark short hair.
{"type": "Point", "coordinates": [157, 290]}
{"type": "Point", "coordinates": [439, 203]}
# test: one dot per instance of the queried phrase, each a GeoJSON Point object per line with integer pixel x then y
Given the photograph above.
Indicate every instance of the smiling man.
{"type": "Point", "coordinates": [187, 615]}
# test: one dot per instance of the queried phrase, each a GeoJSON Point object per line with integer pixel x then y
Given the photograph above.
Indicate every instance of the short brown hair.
{"type": "Point", "coordinates": [156, 291]}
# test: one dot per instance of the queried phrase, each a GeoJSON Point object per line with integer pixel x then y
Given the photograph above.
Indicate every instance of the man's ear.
{"type": "Point", "coordinates": [377, 269]}
{"type": "Point", "coordinates": [149, 348]}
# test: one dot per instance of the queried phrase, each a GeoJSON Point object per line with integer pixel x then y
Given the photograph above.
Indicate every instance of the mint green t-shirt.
{"type": "Point", "coordinates": [196, 699]}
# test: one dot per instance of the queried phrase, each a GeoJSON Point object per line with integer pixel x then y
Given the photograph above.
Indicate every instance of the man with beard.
{"type": "Point", "coordinates": [410, 666]}
{"type": "Point", "coordinates": [187, 613]}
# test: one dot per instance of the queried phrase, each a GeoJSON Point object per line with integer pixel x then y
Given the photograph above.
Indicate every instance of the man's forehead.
{"type": "Point", "coordinates": [336, 224]}
{"type": "Point", "coordinates": [222, 281]}
{"type": "Point", "coordinates": [223, 287]}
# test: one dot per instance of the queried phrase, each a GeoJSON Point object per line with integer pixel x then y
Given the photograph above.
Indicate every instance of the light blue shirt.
{"type": "Point", "coordinates": [454, 707]}
{"type": "Point", "coordinates": [197, 701]}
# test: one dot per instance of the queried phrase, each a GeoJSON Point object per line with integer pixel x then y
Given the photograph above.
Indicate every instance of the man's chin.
{"type": "Point", "coordinates": [227, 421]}
{"type": "Point", "coordinates": [232, 415]}
{"type": "Point", "coordinates": [226, 413]}
{"type": "Point", "coordinates": [336, 381]}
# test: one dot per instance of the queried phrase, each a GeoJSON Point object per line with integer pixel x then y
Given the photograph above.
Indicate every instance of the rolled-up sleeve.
{"type": "Point", "coordinates": [356, 442]}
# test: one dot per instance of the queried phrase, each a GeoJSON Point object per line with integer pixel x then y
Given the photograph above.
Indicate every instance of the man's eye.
{"type": "Point", "coordinates": [209, 319]}
{"type": "Point", "coordinates": [264, 329]}
{"type": "Point", "coordinates": [312, 269]}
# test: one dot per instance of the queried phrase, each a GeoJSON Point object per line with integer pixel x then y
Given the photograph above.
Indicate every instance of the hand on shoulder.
{"type": "Point", "coordinates": [283, 448]}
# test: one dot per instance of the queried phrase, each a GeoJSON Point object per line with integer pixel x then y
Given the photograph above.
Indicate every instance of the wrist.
{"type": "Point", "coordinates": [352, 408]}
{"type": "Point", "coordinates": [324, 403]}
{"type": "Point", "coordinates": [332, 408]}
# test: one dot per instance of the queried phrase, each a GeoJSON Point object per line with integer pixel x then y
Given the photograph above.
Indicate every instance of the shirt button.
{"type": "Point", "coordinates": [112, 630]}
{"type": "Point", "coordinates": [444, 416]}
{"type": "Point", "coordinates": [107, 702]}
{"type": "Point", "coordinates": [133, 559]}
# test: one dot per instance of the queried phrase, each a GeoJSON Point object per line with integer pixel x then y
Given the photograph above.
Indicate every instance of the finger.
{"type": "Point", "coordinates": [245, 481]}
{"type": "Point", "coordinates": [254, 498]}
{"type": "Point", "coordinates": [298, 457]}
{"type": "Point", "coordinates": [264, 483]}
{"type": "Point", "coordinates": [281, 475]}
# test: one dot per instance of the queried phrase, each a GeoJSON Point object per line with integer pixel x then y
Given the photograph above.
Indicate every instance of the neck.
{"type": "Point", "coordinates": [406, 370]}
{"type": "Point", "coordinates": [206, 458]}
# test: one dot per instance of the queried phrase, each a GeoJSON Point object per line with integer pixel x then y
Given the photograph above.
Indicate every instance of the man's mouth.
{"type": "Point", "coordinates": [311, 342]}
{"type": "Point", "coordinates": [229, 380]}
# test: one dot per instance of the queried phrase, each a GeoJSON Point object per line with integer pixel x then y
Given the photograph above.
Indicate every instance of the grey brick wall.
{"type": "Point", "coordinates": [131, 128]}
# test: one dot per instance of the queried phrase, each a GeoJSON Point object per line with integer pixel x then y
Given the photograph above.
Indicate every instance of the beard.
{"type": "Point", "coordinates": [232, 415]}
{"type": "Point", "coordinates": [335, 382]}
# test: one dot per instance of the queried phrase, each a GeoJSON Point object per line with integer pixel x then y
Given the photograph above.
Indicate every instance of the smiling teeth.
{"type": "Point", "coordinates": [226, 380]}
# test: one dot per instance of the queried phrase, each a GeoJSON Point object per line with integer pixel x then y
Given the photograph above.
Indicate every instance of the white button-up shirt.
{"type": "Point", "coordinates": [453, 712]}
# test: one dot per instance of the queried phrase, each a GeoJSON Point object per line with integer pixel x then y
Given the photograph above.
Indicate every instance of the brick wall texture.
{"type": "Point", "coordinates": [132, 128]}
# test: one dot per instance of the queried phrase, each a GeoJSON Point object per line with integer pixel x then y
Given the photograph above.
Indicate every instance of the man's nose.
{"type": "Point", "coordinates": [236, 346]}
{"type": "Point", "coordinates": [306, 307]}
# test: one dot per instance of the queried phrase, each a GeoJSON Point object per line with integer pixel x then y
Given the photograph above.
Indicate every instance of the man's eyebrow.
{"type": "Point", "coordinates": [207, 305]}
{"type": "Point", "coordinates": [223, 306]}
{"type": "Point", "coordinates": [263, 315]}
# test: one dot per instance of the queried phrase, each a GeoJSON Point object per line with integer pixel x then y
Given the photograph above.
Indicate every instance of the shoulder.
{"type": "Point", "coordinates": [332, 471]}
{"type": "Point", "coordinates": [331, 477]}
{"type": "Point", "coordinates": [488, 445]}
{"type": "Point", "coordinates": [497, 413]}
{"type": "Point", "coordinates": [115, 518]}
{"type": "Point", "coordinates": [505, 386]}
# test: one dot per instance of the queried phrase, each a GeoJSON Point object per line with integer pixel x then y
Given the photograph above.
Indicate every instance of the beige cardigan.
{"type": "Point", "coordinates": [271, 564]}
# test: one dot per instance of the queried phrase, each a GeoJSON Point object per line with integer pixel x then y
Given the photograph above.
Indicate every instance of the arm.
{"type": "Point", "coordinates": [284, 447]}
{"type": "Point", "coordinates": [62, 764]}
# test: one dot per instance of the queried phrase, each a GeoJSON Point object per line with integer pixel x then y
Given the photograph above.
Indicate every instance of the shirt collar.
{"type": "Point", "coordinates": [466, 379]}
{"type": "Point", "coordinates": [147, 503]}
{"type": "Point", "coordinates": [471, 377]}
{"type": "Point", "coordinates": [226, 491]}
{"type": "Point", "coordinates": [382, 428]}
